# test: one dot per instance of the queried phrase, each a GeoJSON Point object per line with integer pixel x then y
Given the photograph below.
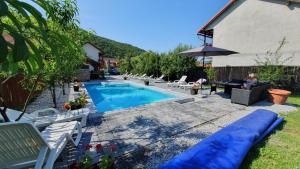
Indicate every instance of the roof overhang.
{"type": "Point", "coordinates": [208, 32]}
{"type": "Point", "coordinates": [204, 31]}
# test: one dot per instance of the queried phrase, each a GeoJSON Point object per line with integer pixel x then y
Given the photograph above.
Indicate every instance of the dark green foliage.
{"type": "Point", "coordinates": [271, 67]}
{"type": "Point", "coordinates": [170, 64]}
{"type": "Point", "coordinates": [211, 73]}
{"type": "Point", "coordinates": [115, 49]}
{"type": "Point", "coordinates": [173, 65]}
{"type": "Point", "coordinates": [146, 63]}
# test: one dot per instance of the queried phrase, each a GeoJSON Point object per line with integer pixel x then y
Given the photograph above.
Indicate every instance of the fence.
{"type": "Point", "coordinates": [13, 93]}
{"type": "Point", "coordinates": [228, 73]}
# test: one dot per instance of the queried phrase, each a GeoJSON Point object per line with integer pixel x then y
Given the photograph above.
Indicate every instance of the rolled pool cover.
{"type": "Point", "coordinates": [227, 148]}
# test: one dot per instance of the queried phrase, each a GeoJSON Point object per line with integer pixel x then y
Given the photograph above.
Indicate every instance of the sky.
{"type": "Point", "coordinates": [157, 25]}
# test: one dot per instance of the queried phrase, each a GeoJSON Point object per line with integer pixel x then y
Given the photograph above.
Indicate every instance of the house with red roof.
{"type": "Point", "coordinates": [252, 28]}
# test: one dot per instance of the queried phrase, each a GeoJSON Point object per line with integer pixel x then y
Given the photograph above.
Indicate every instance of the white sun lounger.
{"type": "Point", "coordinates": [135, 76]}
{"type": "Point", "coordinates": [191, 84]}
{"type": "Point", "coordinates": [146, 77]}
{"type": "Point", "coordinates": [176, 83]}
{"type": "Point", "coordinates": [142, 77]}
{"type": "Point", "coordinates": [23, 146]}
{"type": "Point", "coordinates": [45, 117]}
{"type": "Point", "coordinates": [159, 80]}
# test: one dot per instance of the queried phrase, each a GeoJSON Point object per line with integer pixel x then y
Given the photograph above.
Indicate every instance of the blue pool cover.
{"type": "Point", "coordinates": [227, 148]}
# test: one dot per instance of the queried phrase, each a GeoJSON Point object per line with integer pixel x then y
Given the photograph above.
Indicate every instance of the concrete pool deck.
{"type": "Point", "coordinates": [148, 135]}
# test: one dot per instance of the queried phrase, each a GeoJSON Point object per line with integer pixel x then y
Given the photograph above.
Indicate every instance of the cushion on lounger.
{"type": "Point", "coordinates": [227, 148]}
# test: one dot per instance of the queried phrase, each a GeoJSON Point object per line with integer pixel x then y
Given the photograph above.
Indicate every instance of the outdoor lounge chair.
{"type": "Point", "coordinates": [45, 117]}
{"type": "Point", "coordinates": [146, 77]}
{"type": "Point", "coordinates": [227, 147]}
{"type": "Point", "coordinates": [176, 83]}
{"type": "Point", "coordinates": [159, 80]}
{"type": "Point", "coordinates": [142, 77]}
{"type": "Point", "coordinates": [191, 84]}
{"type": "Point", "coordinates": [23, 146]}
{"type": "Point", "coordinates": [135, 76]}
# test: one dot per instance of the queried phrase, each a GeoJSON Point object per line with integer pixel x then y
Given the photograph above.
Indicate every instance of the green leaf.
{"type": "Point", "coordinates": [19, 9]}
{"type": "Point", "coordinates": [20, 49]}
{"type": "Point", "coordinates": [22, 7]}
{"type": "Point", "coordinates": [37, 55]}
{"type": "Point", "coordinates": [14, 20]}
{"type": "Point", "coordinates": [3, 8]}
{"type": "Point", "coordinates": [37, 15]}
{"type": "Point", "coordinates": [3, 49]}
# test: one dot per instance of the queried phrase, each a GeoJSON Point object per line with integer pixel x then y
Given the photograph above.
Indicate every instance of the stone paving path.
{"type": "Point", "coordinates": [159, 131]}
{"type": "Point", "coordinates": [147, 136]}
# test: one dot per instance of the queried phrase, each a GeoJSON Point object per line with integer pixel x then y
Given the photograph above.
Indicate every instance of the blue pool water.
{"type": "Point", "coordinates": [108, 96]}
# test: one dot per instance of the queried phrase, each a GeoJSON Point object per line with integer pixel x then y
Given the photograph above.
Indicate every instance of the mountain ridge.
{"type": "Point", "coordinates": [115, 49]}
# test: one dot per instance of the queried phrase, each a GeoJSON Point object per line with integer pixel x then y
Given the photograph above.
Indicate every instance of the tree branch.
{"type": "Point", "coordinates": [29, 96]}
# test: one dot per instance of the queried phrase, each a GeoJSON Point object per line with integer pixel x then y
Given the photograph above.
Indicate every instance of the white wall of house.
{"type": "Point", "coordinates": [91, 52]}
{"type": "Point", "coordinates": [253, 27]}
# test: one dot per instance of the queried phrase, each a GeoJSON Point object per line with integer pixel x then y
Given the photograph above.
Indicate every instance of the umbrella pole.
{"type": "Point", "coordinates": [203, 67]}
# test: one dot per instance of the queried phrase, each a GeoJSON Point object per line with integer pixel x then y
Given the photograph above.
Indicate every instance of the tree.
{"type": "Point", "coordinates": [125, 64]}
{"type": "Point", "coordinates": [271, 67]}
{"type": "Point", "coordinates": [175, 65]}
{"type": "Point", "coordinates": [31, 51]}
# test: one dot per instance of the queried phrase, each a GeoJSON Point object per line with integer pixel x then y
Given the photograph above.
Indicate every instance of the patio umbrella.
{"type": "Point", "coordinates": [206, 51]}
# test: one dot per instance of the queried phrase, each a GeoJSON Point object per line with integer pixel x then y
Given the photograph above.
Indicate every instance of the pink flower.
{"type": "Point", "coordinates": [113, 147]}
{"type": "Point", "coordinates": [99, 147]}
{"type": "Point", "coordinates": [88, 147]}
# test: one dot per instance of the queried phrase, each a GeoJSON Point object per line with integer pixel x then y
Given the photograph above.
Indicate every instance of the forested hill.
{"type": "Point", "coordinates": [115, 49]}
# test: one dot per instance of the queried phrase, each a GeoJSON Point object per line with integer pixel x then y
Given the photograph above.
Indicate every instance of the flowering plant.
{"type": "Point", "coordinates": [77, 103]}
{"type": "Point", "coordinates": [106, 160]}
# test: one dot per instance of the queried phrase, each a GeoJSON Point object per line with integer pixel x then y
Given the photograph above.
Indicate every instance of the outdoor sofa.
{"type": "Point", "coordinates": [227, 148]}
{"type": "Point", "coordinates": [250, 96]}
{"type": "Point", "coordinates": [234, 83]}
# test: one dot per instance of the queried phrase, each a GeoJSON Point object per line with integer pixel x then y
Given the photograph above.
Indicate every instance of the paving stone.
{"type": "Point", "coordinates": [154, 132]}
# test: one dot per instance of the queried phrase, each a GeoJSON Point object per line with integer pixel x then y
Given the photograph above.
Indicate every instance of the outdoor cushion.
{"type": "Point", "coordinates": [227, 148]}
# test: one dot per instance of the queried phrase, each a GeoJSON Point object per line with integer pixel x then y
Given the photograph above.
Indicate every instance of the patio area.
{"type": "Point", "coordinates": [146, 136]}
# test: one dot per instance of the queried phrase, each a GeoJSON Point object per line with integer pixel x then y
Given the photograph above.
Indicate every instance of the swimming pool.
{"type": "Point", "coordinates": [108, 96]}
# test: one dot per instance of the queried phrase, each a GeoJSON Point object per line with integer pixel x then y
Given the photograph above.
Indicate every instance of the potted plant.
{"type": "Point", "coordinates": [146, 82]}
{"type": "Point", "coordinates": [78, 103]}
{"type": "Point", "coordinates": [194, 90]}
{"type": "Point", "coordinates": [76, 86]}
{"type": "Point", "coordinates": [271, 69]}
{"type": "Point", "coordinates": [211, 75]}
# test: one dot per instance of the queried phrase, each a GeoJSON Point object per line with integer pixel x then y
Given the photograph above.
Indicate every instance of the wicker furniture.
{"type": "Point", "coordinates": [249, 97]}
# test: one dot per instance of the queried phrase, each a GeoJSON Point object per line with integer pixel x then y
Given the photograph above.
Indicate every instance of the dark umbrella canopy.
{"type": "Point", "coordinates": [207, 51]}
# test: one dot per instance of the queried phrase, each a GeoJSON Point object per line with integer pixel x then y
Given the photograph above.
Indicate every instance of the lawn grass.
{"type": "Point", "coordinates": [281, 150]}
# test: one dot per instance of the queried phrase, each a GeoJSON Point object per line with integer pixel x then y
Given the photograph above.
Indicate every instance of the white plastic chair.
{"type": "Point", "coordinates": [22, 145]}
{"type": "Point", "coordinates": [176, 83]}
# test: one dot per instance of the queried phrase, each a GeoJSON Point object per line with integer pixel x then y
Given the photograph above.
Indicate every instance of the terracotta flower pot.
{"type": "Point", "coordinates": [278, 96]}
